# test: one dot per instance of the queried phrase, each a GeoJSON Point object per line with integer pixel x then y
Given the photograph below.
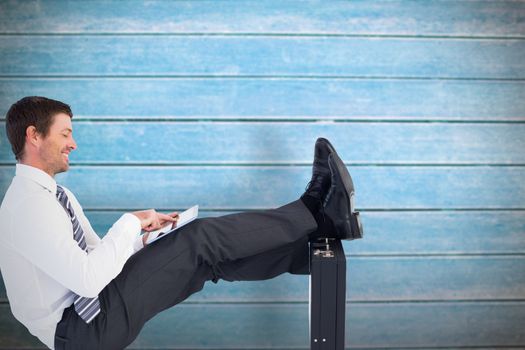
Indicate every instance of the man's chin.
{"type": "Point", "coordinates": [62, 169]}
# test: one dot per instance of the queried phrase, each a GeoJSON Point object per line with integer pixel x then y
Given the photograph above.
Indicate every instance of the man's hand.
{"type": "Point", "coordinates": [150, 220]}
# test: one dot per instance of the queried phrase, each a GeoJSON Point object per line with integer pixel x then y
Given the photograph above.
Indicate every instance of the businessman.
{"type": "Point", "coordinates": [74, 290]}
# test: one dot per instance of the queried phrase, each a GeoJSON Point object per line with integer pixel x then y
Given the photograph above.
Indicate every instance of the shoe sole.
{"type": "Point", "coordinates": [356, 227]}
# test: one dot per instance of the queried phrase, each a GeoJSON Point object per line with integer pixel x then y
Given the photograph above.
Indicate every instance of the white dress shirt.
{"type": "Point", "coordinates": [42, 264]}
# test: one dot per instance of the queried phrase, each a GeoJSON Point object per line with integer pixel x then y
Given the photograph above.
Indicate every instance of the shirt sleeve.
{"type": "Point", "coordinates": [138, 245]}
{"type": "Point", "coordinates": [47, 241]}
{"type": "Point", "coordinates": [92, 239]}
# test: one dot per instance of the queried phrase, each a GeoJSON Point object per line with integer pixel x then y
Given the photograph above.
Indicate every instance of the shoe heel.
{"type": "Point", "coordinates": [357, 226]}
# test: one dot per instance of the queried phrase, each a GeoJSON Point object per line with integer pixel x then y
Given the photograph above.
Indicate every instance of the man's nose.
{"type": "Point", "coordinates": [73, 144]}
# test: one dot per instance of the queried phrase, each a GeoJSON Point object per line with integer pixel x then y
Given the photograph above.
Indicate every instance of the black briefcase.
{"type": "Point", "coordinates": [327, 295]}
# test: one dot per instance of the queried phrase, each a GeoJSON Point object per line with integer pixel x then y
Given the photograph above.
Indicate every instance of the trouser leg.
{"type": "Point", "coordinates": [246, 246]}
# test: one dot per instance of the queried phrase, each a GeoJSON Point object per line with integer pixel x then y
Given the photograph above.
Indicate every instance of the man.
{"type": "Point", "coordinates": [74, 290]}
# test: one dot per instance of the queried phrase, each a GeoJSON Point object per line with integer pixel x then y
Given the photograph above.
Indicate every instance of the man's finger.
{"type": "Point", "coordinates": [166, 217]}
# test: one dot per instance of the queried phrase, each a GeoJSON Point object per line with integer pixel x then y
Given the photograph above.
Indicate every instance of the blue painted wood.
{"type": "Point", "coordinates": [357, 52]}
{"type": "Point", "coordinates": [390, 279]}
{"type": "Point", "coordinates": [404, 278]}
{"type": "Point", "coordinates": [369, 325]}
{"type": "Point", "coordinates": [266, 98]}
{"type": "Point", "coordinates": [281, 56]}
{"type": "Point", "coordinates": [407, 233]}
{"type": "Point", "coordinates": [291, 142]}
{"type": "Point", "coordinates": [239, 187]}
{"type": "Point", "coordinates": [463, 18]}
{"type": "Point", "coordinates": [393, 279]}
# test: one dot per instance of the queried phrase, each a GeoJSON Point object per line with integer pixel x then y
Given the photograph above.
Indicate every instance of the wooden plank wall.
{"type": "Point", "coordinates": [220, 102]}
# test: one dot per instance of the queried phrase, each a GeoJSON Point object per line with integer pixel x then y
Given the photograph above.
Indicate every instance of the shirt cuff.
{"type": "Point", "coordinates": [138, 245]}
{"type": "Point", "coordinates": [133, 223]}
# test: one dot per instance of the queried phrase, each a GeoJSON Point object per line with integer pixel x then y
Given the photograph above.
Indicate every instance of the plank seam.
{"type": "Point", "coordinates": [258, 77]}
{"type": "Point", "coordinates": [273, 119]}
{"type": "Point", "coordinates": [513, 37]}
{"type": "Point", "coordinates": [370, 210]}
{"type": "Point", "coordinates": [493, 347]}
{"type": "Point", "coordinates": [482, 255]}
{"type": "Point", "coordinates": [303, 348]}
{"type": "Point", "coordinates": [276, 164]}
{"type": "Point", "coordinates": [5, 302]}
{"type": "Point", "coordinates": [347, 348]}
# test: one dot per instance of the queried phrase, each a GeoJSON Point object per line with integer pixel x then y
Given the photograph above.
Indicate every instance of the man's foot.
{"type": "Point", "coordinates": [319, 185]}
{"type": "Point", "coordinates": [338, 206]}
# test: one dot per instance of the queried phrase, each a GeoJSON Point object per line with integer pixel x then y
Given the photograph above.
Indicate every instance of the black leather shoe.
{"type": "Point", "coordinates": [320, 183]}
{"type": "Point", "coordinates": [339, 202]}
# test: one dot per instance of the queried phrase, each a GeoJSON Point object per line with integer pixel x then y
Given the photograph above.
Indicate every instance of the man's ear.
{"type": "Point", "coordinates": [32, 136]}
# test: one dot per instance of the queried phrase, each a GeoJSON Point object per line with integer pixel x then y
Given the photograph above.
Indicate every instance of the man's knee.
{"type": "Point", "coordinates": [208, 245]}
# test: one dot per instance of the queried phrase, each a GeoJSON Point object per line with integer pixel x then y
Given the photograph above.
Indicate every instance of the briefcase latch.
{"type": "Point", "coordinates": [325, 251]}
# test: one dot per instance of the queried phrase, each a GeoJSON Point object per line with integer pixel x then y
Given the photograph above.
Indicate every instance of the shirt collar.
{"type": "Point", "coordinates": [39, 176]}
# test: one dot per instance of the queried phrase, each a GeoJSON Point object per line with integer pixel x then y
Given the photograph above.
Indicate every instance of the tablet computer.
{"type": "Point", "coordinates": [184, 218]}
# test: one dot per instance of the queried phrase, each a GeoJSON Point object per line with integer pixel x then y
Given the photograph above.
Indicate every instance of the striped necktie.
{"type": "Point", "coordinates": [86, 308]}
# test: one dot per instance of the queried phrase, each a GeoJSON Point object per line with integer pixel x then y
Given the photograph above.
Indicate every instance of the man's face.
{"type": "Point", "coordinates": [55, 147]}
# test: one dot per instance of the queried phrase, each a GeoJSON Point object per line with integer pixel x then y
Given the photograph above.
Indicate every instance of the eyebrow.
{"type": "Point", "coordinates": [68, 129]}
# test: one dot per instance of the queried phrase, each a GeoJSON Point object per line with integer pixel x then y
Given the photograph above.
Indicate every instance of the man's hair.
{"type": "Point", "coordinates": [31, 110]}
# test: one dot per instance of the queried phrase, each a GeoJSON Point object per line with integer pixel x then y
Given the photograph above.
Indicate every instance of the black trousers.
{"type": "Point", "coordinates": [239, 247]}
